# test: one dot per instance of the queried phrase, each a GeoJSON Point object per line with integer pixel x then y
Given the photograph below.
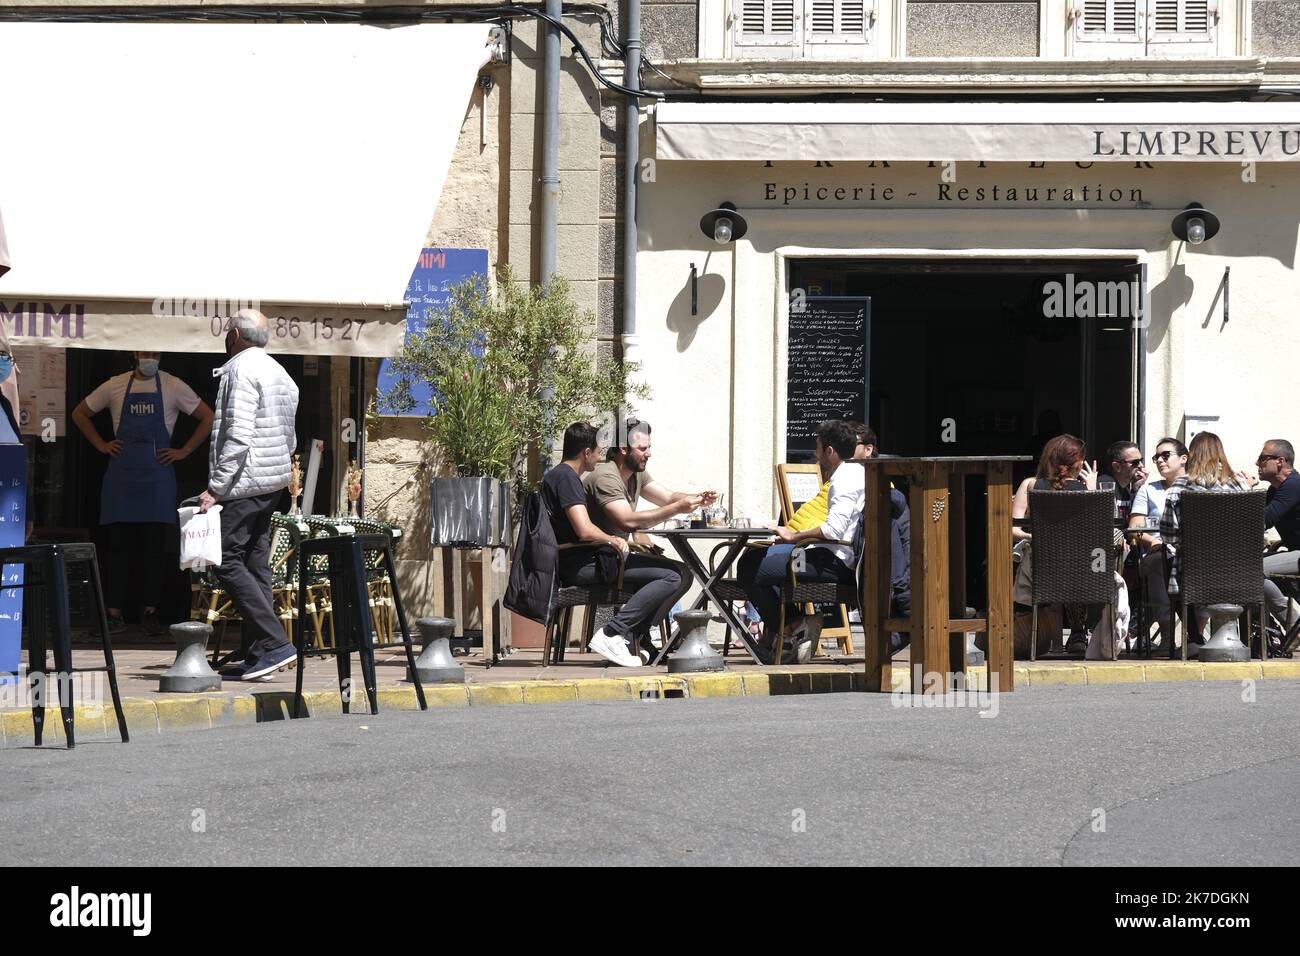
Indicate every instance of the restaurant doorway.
{"type": "Point", "coordinates": [993, 357]}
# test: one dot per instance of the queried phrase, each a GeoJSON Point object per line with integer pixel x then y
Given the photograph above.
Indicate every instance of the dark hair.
{"type": "Point", "coordinates": [1179, 447]}
{"type": "Point", "coordinates": [578, 437]}
{"type": "Point", "coordinates": [632, 426]}
{"type": "Point", "coordinates": [1058, 459]}
{"type": "Point", "coordinates": [1282, 447]}
{"type": "Point", "coordinates": [865, 436]}
{"type": "Point", "coordinates": [840, 436]}
{"type": "Point", "coordinates": [1118, 448]}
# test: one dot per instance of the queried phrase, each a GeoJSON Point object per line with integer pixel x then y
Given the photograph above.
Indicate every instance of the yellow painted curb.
{"type": "Point", "coordinates": [397, 698]}
{"type": "Point", "coordinates": [447, 695]}
{"type": "Point", "coordinates": [550, 692]}
{"type": "Point", "coordinates": [182, 714]}
{"type": "Point", "coordinates": [1282, 669]}
{"type": "Point", "coordinates": [755, 685]}
{"type": "Point", "coordinates": [715, 685]}
{"type": "Point", "coordinates": [141, 716]}
{"type": "Point", "coordinates": [511, 693]}
{"type": "Point", "coordinates": [1240, 670]}
{"type": "Point", "coordinates": [1114, 674]}
{"type": "Point", "coordinates": [1056, 676]}
{"type": "Point", "coordinates": [603, 688]}
{"type": "Point", "coordinates": [1174, 671]}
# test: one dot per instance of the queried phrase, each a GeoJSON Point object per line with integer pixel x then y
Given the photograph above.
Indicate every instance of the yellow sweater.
{"type": "Point", "coordinates": [812, 513]}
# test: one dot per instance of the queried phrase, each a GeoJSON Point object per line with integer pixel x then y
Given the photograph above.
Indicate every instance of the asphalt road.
{"type": "Point", "coordinates": [1153, 774]}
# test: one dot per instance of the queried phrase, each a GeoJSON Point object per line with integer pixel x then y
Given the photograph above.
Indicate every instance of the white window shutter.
{"type": "Point", "coordinates": [1106, 29]}
{"type": "Point", "coordinates": [1183, 28]}
{"type": "Point", "coordinates": [767, 28]}
{"type": "Point", "coordinates": [838, 29]}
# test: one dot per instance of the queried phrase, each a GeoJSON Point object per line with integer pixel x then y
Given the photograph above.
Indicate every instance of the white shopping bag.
{"type": "Point", "coordinates": [200, 537]}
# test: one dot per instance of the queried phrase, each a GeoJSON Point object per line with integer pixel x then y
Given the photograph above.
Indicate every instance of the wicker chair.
{"type": "Point", "coordinates": [379, 586]}
{"type": "Point", "coordinates": [1071, 530]}
{"type": "Point", "coordinates": [210, 604]}
{"type": "Point", "coordinates": [1219, 555]}
{"type": "Point", "coordinates": [567, 597]}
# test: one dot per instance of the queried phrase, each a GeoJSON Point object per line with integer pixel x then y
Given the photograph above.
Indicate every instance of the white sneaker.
{"type": "Point", "coordinates": [613, 648]}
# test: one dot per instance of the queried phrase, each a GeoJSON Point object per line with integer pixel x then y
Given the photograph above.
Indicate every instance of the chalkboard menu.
{"type": "Point", "coordinates": [826, 370]}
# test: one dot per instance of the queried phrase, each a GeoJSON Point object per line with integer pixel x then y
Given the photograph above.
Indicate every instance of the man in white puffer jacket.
{"type": "Point", "coordinates": [253, 441]}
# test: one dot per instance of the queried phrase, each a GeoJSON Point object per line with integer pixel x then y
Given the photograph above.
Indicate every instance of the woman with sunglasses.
{"type": "Point", "coordinates": [1170, 460]}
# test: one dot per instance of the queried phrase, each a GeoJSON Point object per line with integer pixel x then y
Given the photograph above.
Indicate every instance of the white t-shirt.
{"type": "Point", "coordinates": [1150, 501]}
{"type": "Point", "coordinates": [177, 397]}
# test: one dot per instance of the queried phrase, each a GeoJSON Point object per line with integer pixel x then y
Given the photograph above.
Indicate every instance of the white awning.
{"type": "Point", "coordinates": [989, 132]}
{"type": "Point", "coordinates": [289, 164]}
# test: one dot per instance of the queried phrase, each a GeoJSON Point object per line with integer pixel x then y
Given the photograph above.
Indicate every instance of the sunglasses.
{"type": "Point", "coordinates": [1263, 458]}
{"type": "Point", "coordinates": [1132, 462]}
{"type": "Point", "coordinates": [1160, 456]}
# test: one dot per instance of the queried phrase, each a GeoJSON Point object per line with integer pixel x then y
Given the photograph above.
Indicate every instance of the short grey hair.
{"type": "Point", "coordinates": [253, 327]}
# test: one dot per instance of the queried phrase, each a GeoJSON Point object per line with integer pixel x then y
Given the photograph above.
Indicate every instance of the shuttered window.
{"type": "Point", "coordinates": [1130, 28]}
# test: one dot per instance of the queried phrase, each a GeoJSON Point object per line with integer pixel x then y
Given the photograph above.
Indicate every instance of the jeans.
{"type": "Point", "coordinates": [1283, 562]}
{"type": "Point", "coordinates": [763, 572]}
{"type": "Point", "coordinates": [245, 570]}
{"type": "Point", "coordinates": [656, 584]}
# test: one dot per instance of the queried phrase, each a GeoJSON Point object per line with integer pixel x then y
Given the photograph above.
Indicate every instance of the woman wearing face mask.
{"type": "Point", "coordinates": [138, 501]}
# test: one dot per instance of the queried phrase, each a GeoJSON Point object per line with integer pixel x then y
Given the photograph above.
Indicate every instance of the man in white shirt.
{"type": "Point", "coordinates": [138, 500]}
{"type": "Point", "coordinates": [762, 572]}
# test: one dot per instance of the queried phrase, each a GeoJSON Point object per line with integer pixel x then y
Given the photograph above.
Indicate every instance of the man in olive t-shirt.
{"type": "Point", "coordinates": [613, 490]}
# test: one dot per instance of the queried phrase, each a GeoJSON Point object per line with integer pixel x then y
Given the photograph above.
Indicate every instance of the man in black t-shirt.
{"type": "Point", "coordinates": [566, 504]}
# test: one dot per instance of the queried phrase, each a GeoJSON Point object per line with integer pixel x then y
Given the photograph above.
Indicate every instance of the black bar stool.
{"type": "Point", "coordinates": [350, 602]}
{"type": "Point", "coordinates": [50, 589]}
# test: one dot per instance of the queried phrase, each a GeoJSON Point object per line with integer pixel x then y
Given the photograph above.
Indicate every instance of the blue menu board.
{"type": "Point", "coordinates": [13, 521]}
{"type": "Point", "coordinates": [436, 272]}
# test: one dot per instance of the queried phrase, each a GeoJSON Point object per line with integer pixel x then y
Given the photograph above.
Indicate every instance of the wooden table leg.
{"type": "Point", "coordinates": [875, 582]}
{"type": "Point", "coordinates": [929, 504]}
{"type": "Point", "coordinates": [1001, 650]}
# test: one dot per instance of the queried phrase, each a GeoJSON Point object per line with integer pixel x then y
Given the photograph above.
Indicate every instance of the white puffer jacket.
{"type": "Point", "coordinates": [253, 435]}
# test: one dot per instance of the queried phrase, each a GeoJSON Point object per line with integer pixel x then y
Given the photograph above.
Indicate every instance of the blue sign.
{"type": "Point", "coordinates": [436, 272]}
{"type": "Point", "coordinates": [13, 530]}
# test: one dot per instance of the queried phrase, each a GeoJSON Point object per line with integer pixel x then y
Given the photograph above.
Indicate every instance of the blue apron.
{"type": "Point", "coordinates": [137, 486]}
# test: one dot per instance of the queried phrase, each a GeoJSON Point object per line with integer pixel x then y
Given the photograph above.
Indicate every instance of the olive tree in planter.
{"type": "Point", "coordinates": [508, 367]}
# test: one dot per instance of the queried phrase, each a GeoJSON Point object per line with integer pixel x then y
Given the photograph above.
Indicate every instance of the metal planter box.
{"type": "Point", "coordinates": [470, 513]}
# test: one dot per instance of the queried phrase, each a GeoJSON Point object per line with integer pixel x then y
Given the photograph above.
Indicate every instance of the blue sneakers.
{"type": "Point", "coordinates": [278, 659]}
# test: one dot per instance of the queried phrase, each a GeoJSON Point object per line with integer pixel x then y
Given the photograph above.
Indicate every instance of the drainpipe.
{"type": "Point", "coordinates": [549, 198]}
{"type": "Point", "coordinates": [631, 159]}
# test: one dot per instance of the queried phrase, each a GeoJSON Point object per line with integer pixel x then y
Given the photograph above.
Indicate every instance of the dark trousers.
{"type": "Point", "coordinates": [137, 551]}
{"type": "Point", "coordinates": [245, 570]}
{"type": "Point", "coordinates": [761, 572]}
{"type": "Point", "coordinates": [656, 584]}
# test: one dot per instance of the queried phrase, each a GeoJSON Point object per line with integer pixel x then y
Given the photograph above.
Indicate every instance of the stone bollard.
{"type": "Point", "coordinates": [694, 655]}
{"type": "Point", "coordinates": [435, 664]}
{"type": "Point", "coordinates": [191, 673]}
{"type": "Point", "coordinates": [1225, 636]}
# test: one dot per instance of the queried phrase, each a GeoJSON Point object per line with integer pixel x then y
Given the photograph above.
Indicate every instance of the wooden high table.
{"type": "Point", "coordinates": [937, 502]}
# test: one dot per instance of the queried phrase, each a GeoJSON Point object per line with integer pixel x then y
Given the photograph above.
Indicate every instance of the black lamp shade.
{"type": "Point", "coordinates": [1195, 211]}
{"type": "Point", "coordinates": [710, 220]}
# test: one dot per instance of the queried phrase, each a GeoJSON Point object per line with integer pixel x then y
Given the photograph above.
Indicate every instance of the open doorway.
{"type": "Point", "coordinates": [966, 359]}
{"type": "Point", "coordinates": [992, 357]}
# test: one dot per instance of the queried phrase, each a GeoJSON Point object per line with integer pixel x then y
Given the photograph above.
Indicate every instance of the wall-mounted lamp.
{"type": "Point", "coordinates": [724, 225]}
{"type": "Point", "coordinates": [1195, 224]}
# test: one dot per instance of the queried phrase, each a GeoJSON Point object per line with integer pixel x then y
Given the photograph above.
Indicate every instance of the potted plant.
{"type": "Point", "coordinates": [508, 368]}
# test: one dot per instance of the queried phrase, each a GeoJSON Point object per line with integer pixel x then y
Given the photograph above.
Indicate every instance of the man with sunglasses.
{"type": "Point", "coordinates": [1128, 472]}
{"type": "Point", "coordinates": [1276, 464]}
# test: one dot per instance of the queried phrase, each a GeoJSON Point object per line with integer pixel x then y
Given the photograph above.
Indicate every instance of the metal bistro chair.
{"type": "Point", "coordinates": [588, 596]}
{"type": "Point", "coordinates": [1219, 555]}
{"type": "Point", "coordinates": [1074, 552]}
{"type": "Point", "coordinates": [795, 591]}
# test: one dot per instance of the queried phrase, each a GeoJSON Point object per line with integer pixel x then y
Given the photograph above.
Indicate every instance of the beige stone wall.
{"type": "Point", "coordinates": [399, 462]}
